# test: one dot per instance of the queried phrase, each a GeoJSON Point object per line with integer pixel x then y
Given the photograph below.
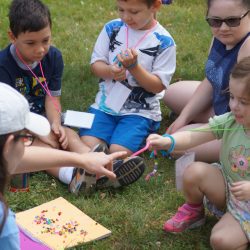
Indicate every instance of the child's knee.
{"type": "Point", "coordinates": [218, 240]}
{"type": "Point", "coordinates": [193, 173]}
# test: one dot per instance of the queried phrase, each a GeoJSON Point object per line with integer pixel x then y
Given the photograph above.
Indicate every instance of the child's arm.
{"type": "Point", "coordinates": [241, 190]}
{"type": "Point", "coordinates": [41, 158]}
{"type": "Point", "coordinates": [51, 108]}
{"type": "Point", "coordinates": [183, 140]}
{"type": "Point", "coordinates": [105, 71]}
{"type": "Point", "coordinates": [145, 79]}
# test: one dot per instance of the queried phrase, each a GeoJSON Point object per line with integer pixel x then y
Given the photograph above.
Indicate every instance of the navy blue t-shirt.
{"type": "Point", "coordinates": [218, 69]}
{"type": "Point", "coordinates": [20, 78]}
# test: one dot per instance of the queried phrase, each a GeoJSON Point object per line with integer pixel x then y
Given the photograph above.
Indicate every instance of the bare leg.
{"type": "Point", "coordinates": [207, 152]}
{"type": "Point", "coordinates": [227, 234]}
{"type": "Point", "coordinates": [75, 143]}
{"type": "Point", "coordinates": [183, 91]}
{"type": "Point", "coordinates": [203, 179]}
{"type": "Point", "coordinates": [90, 141]}
{"type": "Point", "coordinates": [116, 148]}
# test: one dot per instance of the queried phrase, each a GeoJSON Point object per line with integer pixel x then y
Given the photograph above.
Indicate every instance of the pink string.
{"type": "Point", "coordinates": [45, 85]}
{"type": "Point", "coordinates": [141, 150]}
{"type": "Point", "coordinates": [141, 39]}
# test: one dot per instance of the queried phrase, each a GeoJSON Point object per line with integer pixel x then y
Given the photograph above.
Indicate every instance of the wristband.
{"type": "Point", "coordinates": [131, 66]}
{"type": "Point", "coordinates": [171, 149]}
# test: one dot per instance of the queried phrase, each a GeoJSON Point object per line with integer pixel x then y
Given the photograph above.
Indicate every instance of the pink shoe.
{"type": "Point", "coordinates": [185, 218]}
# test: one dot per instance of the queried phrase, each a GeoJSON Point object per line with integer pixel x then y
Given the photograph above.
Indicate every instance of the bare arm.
{"type": "Point", "coordinates": [51, 106]}
{"type": "Point", "coordinates": [146, 80]}
{"type": "Point", "coordinates": [200, 101]}
{"type": "Point", "coordinates": [40, 158]}
{"type": "Point", "coordinates": [183, 140]}
{"type": "Point", "coordinates": [102, 70]}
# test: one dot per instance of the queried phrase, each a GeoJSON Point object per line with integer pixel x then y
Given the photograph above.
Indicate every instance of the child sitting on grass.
{"type": "Point", "coordinates": [16, 124]}
{"type": "Point", "coordinates": [33, 67]}
{"type": "Point", "coordinates": [221, 186]}
{"type": "Point", "coordinates": [134, 57]}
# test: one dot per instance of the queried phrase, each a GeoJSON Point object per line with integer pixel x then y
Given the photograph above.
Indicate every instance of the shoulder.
{"type": "Point", "coordinates": [244, 49]}
{"type": "Point", "coordinates": [221, 124]}
{"type": "Point", "coordinates": [163, 36]}
{"type": "Point", "coordinates": [113, 25]}
{"type": "Point", "coordinates": [54, 56]}
{"type": "Point", "coordinates": [10, 226]}
{"type": "Point", "coordinates": [225, 120]}
{"type": "Point", "coordinates": [53, 51]}
{"type": "Point", "coordinates": [5, 55]}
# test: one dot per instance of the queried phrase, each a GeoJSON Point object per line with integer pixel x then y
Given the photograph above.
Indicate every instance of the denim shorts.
{"type": "Point", "coordinates": [129, 131]}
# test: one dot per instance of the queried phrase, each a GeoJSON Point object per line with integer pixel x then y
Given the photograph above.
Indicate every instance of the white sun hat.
{"type": "Point", "coordinates": [15, 114]}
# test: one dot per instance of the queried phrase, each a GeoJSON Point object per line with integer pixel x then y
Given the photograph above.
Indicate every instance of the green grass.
{"type": "Point", "coordinates": [134, 214]}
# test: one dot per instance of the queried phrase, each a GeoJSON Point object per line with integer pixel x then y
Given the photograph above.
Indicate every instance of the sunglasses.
{"type": "Point", "coordinates": [26, 138]}
{"type": "Point", "coordinates": [230, 22]}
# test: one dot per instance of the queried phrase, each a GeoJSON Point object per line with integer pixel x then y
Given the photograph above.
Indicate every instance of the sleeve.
{"type": "Point", "coordinates": [165, 64]}
{"type": "Point", "coordinates": [101, 49]}
{"type": "Point", "coordinates": [220, 124]}
{"type": "Point", "coordinates": [9, 238]}
{"type": "Point", "coordinates": [55, 82]}
{"type": "Point", "coordinates": [5, 77]}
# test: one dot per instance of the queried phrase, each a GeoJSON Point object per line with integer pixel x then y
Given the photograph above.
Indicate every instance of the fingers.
{"type": "Point", "coordinates": [116, 155]}
{"type": "Point", "coordinates": [108, 173]}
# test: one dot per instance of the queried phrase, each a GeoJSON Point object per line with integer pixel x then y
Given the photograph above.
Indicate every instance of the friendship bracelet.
{"type": "Point", "coordinates": [131, 66]}
{"type": "Point", "coordinates": [171, 149]}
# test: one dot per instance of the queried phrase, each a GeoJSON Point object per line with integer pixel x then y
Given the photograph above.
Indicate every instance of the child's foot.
{"type": "Point", "coordinates": [127, 171]}
{"type": "Point", "coordinates": [186, 218]}
{"type": "Point", "coordinates": [83, 179]}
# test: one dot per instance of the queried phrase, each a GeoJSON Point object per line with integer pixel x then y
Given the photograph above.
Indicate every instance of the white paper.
{"type": "Point", "coordinates": [180, 165]}
{"type": "Point", "coordinates": [78, 119]}
{"type": "Point", "coordinates": [117, 96]}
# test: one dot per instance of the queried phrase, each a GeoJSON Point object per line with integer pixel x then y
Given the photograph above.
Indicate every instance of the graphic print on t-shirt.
{"type": "Point", "coordinates": [138, 99]}
{"type": "Point", "coordinates": [239, 158]}
{"type": "Point", "coordinates": [33, 91]}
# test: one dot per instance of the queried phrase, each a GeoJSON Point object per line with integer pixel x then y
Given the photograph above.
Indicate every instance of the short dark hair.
{"type": "Point", "coordinates": [148, 2]}
{"type": "Point", "coordinates": [28, 15]}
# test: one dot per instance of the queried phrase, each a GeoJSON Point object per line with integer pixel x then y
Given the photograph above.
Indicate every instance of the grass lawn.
{"type": "Point", "coordinates": [135, 214]}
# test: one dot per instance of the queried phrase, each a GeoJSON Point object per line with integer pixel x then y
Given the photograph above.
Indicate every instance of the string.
{"type": "Point", "coordinates": [141, 39]}
{"type": "Point", "coordinates": [218, 129]}
{"type": "Point", "coordinates": [154, 155]}
{"type": "Point", "coordinates": [141, 150]}
{"type": "Point", "coordinates": [138, 42]}
{"type": "Point", "coordinates": [45, 85]}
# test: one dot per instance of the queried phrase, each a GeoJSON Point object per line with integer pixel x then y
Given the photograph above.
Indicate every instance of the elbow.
{"type": "Point", "coordinates": [157, 89]}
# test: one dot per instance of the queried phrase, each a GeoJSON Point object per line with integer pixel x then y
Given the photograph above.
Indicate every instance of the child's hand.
{"type": "Point", "coordinates": [59, 131]}
{"type": "Point", "coordinates": [241, 190]}
{"type": "Point", "coordinates": [100, 163]}
{"type": "Point", "coordinates": [128, 58]}
{"type": "Point", "coordinates": [158, 142]}
{"type": "Point", "coordinates": [118, 73]}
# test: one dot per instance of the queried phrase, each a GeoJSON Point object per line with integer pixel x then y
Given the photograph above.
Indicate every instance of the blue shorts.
{"type": "Point", "coordinates": [129, 131]}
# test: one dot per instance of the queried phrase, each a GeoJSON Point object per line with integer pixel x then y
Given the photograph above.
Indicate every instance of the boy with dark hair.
{"type": "Point", "coordinates": [32, 66]}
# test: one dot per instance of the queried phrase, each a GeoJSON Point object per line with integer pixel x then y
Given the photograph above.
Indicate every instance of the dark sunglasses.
{"type": "Point", "coordinates": [26, 138]}
{"type": "Point", "coordinates": [230, 22]}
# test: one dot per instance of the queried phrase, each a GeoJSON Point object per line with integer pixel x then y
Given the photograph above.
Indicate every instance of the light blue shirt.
{"type": "Point", "coordinates": [9, 238]}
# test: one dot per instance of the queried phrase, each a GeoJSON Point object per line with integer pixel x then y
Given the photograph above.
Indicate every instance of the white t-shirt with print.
{"type": "Point", "coordinates": [156, 53]}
